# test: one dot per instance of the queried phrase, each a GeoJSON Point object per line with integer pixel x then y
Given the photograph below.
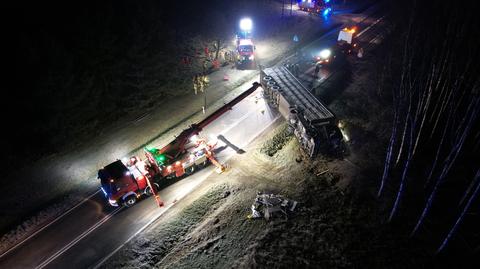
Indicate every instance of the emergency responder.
{"type": "Point", "coordinates": [296, 69]}
{"type": "Point", "coordinates": [204, 66]}
{"type": "Point", "coordinates": [200, 82]}
{"type": "Point", "coordinates": [360, 53]}
{"type": "Point", "coordinates": [225, 56]}
{"type": "Point", "coordinates": [317, 69]}
{"type": "Point", "coordinates": [195, 83]}
{"type": "Point", "coordinates": [205, 80]}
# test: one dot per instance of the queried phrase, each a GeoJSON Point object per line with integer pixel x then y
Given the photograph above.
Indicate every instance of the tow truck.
{"type": "Point", "coordinates": [345, 44]}
{"type": "Point", "coordinates": [125, 181]}
{"type": "Point", "coordinates": [345, 40]}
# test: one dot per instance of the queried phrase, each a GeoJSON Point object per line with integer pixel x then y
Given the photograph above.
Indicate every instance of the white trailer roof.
{"type": "Point", "coordinates": [346, 35]}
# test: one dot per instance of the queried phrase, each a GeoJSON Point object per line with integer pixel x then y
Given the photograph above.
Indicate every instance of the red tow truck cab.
{"type": "Point", "coordinates": [124, 183]}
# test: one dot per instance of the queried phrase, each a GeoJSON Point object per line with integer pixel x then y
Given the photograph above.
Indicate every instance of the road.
{"type": "Point", "coordinates": [93, 230]}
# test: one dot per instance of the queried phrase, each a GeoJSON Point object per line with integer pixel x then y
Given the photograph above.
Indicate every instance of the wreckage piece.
{"type": "Point", "coordinates": [269, 212]}
{"type": "Point", "coordinates": [268, 205]}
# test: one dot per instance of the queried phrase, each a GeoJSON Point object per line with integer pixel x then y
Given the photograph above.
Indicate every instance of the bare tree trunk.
{"type": "Point", "coordinates": [462, 215]}
{"type": "Point", "coordinates": [473, 109]}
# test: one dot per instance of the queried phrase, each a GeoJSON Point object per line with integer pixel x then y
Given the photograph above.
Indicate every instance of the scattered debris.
{"type": "Point", "coordinates": [268, 205]}
{"type": "Point", "coordinates": [226, 194]}
{"type": "Point", "coordinates": [323, 172]}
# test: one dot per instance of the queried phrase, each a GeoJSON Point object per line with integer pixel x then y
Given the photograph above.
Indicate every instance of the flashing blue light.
{"type": "Point", "coordinates": [104, 192]}
{"type": "Point", "coordinates": [326, 1]}
{"type": "Point", "coordinates": [327, 11]}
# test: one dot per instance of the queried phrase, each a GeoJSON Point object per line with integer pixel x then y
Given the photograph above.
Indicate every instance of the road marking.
{"type": "Point", "coordinates": [48, 224]}
{"type": "Point", "coordinates": [366, 29]}
{"type": "Point", "coordinates": [78, 238]}
{"type": "Point", "coordinates": [102, 261]}
{"type": "Point", "coordinates": [141, 118]}
{"type": "Point", "coordinates": [136, 233]}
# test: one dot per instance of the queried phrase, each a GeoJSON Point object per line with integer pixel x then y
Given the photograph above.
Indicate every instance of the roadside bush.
{"type": "Point", "coordinates": [277, 142]}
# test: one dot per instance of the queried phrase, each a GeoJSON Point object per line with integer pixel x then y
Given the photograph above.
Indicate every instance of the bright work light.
{"type": "Point", "coordinates": [325, 53]}
{"type": "Point", "coordinates": [246, 24]}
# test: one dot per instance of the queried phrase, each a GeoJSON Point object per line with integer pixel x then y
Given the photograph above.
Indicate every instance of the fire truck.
{"type": "Point", "coordinates": [315, 6]}
{"type": "Point", "coordinates": [123, 182]}
{"type": "Point", "coordinates": [245, 50]}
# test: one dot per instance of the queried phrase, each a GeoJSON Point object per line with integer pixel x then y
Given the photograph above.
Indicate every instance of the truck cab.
{"type": "Point", "coordinates": [124, 183]}
{"type": "Point", "coordinates": [245, 50]}
{"type": "Point", "coordinates": [345, 45]}
{"type": "Point", "coordinates": [345, 40]}
{"type": "Point", "coordinates": [315, 6]}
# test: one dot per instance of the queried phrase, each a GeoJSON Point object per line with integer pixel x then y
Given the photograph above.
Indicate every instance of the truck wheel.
{"type": "Point", "coordinates": [148, 190]}
{"type": "Point", "coordinates": [203, 164]}
{"type": "Point", "coordinates": [190, 170]}
{"type": "Point", "coordinates": [130, 200]}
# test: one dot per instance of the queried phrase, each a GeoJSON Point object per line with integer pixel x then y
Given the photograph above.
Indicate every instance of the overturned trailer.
{"type": "Point", "coordinates": [313, 123]}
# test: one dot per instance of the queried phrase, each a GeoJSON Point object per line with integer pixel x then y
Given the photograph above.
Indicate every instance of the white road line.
{"type": "Point", "coordinates": [366, 29]}
{"type": "Point", "coordinates": [48, 224]}
{"type": "Point", "coordinates": [102, 261]}
{"type": "Point", "coordinates": [77, 239]}
{"type": "Point", "coordinates": [141, 118]}
{"type": "Point", "coordinates": [136, 233]}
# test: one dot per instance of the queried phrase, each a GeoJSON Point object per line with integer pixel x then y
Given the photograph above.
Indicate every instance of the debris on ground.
{"type": "Point", "coordinates": [271, 205]}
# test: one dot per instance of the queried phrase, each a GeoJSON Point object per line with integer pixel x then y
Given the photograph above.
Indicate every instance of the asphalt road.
{"type": "Point", "coordinates": [94, 230]}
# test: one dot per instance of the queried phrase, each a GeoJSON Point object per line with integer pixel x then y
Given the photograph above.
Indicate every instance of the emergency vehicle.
{"type": "Point", "coordinates": [125, 181]}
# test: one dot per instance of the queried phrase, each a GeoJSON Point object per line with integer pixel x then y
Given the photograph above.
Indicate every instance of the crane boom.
{"type": "Point", "coordinates": [177, 146]}
{"type": "Point", "coordinates": [228, 106]}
